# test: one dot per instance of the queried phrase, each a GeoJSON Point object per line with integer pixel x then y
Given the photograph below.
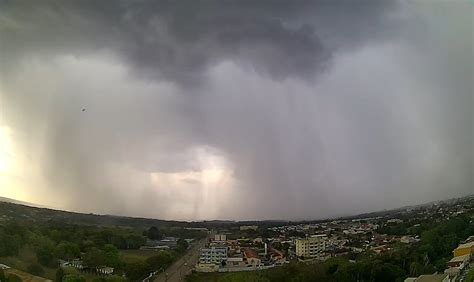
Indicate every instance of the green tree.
{"type": "Point", "coordinates": [59, 275]}
{"type": "Point", "coordinates": [68, 250]}
{"type": "Point", "coordinates": [94, 257]}
{"type": "Point", "coordinates": [46, 255]}
{"type": "Point", "coordinates": [387, 272]}
{"type": "Point", "coordinates": [111, 255]}
{"type": "Point", "coordinates": [137, 270]}
{"type": "Point", "coordinates": [9, 245]}
{"type": "Point", "coordinates": [182, 245]}
{"type": "Point", "coordinates": [162, 260]}
{"type": "Point", "coordinates": [416, 269]}
{"type": "Point", "coordinates": [154, 234]}
{"type": "Point", "coordinates": [134, 241]}
{"type": "Point", "coordinates": [470, 275]}
{"type": "Point", "coordinates": [118, 241]}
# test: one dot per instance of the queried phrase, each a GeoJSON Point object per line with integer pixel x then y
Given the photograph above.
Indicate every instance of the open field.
{"type": "Point", "coordinates": [228, 277]}
{"type": "Point", "coordinates": [137, 255]}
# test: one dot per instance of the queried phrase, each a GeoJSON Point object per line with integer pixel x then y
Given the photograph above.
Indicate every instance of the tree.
{"type": "Point", "coordinates": [136, 270]}
{"type": "Point", "coordinates": [9, 245]}
{"type": "Point", "coordinates": [118, 241]}
{"type": "Point", "coordinates": [68, 250]}
{"type": "Point", "coordinates": [162, 260]}
{"type": "Point", "coordinates": [35, 269]}
{"type": "Point", "coordinates": [470, 275]}
{"type": "Point", "coordinates": [94, 257]}
{"type": "Point", "coordinates": [134, 241]}
{"type": "Point", "coordinates": [182, 245]}
{"type": "Point", "coordinates": [111, 256]}
{"type": "Point", "coordinates": [387, 272]}
{"type": "Point", "coordinates": [416, 269]}
{"type": "Point", "coordinates": [59, 275]}
{"type": "Point", "coordinates": [154, 234]}
{"type": "Point", "coordinates": [46, 255]}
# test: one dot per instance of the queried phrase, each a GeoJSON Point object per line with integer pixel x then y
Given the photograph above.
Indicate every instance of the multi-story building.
{"type": "Point", "coordinates": [220, 237]}
{"type": "Point", "coordinates": [311, 247]}
{"type": "Point", "coordinates": [464, 249]}
{"type": "Point", "coordinates": [213, 255]}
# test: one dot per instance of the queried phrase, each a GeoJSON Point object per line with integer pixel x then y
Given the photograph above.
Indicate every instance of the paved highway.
{"type": "Point", "coordinates": [182, 267]}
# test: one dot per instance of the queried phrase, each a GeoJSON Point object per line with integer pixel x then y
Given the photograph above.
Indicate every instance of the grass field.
{"type": "Point", "coordinates": [137, 255]}
{"type": "Point", "coordinates": [255, 276]}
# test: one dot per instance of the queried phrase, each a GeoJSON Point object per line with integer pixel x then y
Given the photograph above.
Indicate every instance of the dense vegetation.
{"type": "Point", "coordinates": [438, 239]}
{"type": "Point", "coordinates": [47, 243]}
{"type": "Point", "coordinates": [9, 277]}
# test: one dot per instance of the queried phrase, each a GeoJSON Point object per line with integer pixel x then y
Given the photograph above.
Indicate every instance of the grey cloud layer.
{"type": "Point", "coordinates": [316, 106]}
{"type": "Point", "coordinates": [180, 41]}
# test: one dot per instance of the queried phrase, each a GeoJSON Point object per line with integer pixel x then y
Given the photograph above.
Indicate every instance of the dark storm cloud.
{"type": "Point", "coordinates": [179, 41]}
{"type": "Point", "coordinates": [319, 108]}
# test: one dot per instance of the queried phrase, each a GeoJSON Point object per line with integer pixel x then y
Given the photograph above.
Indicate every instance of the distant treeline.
{"type": "Point", "coordinates": [45, 238]}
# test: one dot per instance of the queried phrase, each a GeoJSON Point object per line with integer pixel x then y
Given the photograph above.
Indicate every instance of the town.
{"type": "Point", "coordinates": [247, 248]}
{"type": "Point", "coordinates": [430, 242]}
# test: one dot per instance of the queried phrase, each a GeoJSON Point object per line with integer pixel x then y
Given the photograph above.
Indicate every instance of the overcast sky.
{"type": "Point", "coordinates": [236, 109]}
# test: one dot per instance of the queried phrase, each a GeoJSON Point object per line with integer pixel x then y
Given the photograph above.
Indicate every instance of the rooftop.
{"type": "Point", "coordinates": [460, 258]}
{"type": "Point", "coordinates": [465, 245]}
{"type": "Point", "coordinates": [431, 277]}
{"type": "Point", "coordinates": [251, 253]}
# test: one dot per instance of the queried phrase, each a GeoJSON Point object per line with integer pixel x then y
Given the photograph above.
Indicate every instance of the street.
{"type": "Point", "coordinates": [182, 267]}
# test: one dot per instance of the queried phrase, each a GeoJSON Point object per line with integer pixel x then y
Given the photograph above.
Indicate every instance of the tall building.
{"type": "Point", "coordinates": [220, 237]}
{"type": "Point", "coordinates": [213, 255]}
{"type": "Point", "coordinates": [311, 247]}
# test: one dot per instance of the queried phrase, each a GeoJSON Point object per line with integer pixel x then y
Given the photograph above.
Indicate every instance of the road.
{"type": "Point", "coordinates": [183, 266]}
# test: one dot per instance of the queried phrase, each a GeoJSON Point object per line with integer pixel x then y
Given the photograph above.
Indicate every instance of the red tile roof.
{"type": "Point", "coordinates": [250, 253]}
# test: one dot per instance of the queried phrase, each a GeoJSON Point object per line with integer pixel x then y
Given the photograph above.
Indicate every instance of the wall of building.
{"type": "Point", "coordinates": [463, 251]}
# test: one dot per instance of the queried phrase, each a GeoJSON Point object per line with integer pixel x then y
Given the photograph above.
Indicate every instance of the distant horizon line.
{"type": "Point", "coordinates": [34, 205]}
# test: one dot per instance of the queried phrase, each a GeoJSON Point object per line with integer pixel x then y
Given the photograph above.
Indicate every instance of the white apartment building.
{"type": "Point", "coordinates": [213, 255]}
{"type": "Point", "coordinates": [311, 247]}
{"type": "Point", "coordinates": [220, 237]}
